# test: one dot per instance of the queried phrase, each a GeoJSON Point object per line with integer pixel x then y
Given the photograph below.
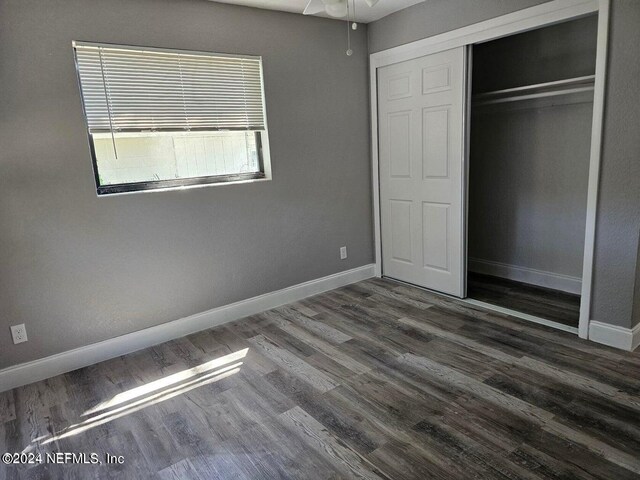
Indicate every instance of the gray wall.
{"type": "Point", "coordinates": [527, 196]}
{"type": "Point", "coordinates": [437, 16]}
{"type": "Point", "coordinates": [618, 220]}
{"type": "Point", "coordinates": [636, 303]}
{"type": "Point", "coordinates": [618, 216]}
{"type": "Point", "coordinates": [556, 52]}
{"type": "Point", "coordinates": [79, 269]}
{"type": "Point", "coordinates": [529, 166]}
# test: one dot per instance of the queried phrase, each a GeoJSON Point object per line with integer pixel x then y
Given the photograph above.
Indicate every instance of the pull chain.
{"type": "Point", "coordinates": [354, 25]}
{"type": "Point", "coordinates": [349, 51]}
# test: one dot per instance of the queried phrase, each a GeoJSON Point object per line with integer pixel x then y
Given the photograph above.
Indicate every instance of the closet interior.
{"type": "Point", "coordinates": [529, 149]}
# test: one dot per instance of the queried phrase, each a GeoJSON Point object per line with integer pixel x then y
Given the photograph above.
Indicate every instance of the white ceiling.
{"type": "Point", "coordinates": [364, 13]}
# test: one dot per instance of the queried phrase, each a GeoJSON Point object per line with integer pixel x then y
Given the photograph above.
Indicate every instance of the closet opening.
{"type": "Point", "coordinates": [530, 126]}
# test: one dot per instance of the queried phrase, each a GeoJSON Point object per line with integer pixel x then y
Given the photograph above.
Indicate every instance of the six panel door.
{"type": "Point", "coordinates": [421, 130]}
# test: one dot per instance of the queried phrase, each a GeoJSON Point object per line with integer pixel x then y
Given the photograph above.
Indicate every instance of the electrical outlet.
{"type": "Point", "coordinates": [19, 333]}
{"type": "Point", "coordinates": [343, 253]}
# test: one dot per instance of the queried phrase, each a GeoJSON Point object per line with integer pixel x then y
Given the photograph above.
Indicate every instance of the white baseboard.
{"type": "Point", "coordinates": [556, 281]}
{"type": "Point", "coordinates": [53, 365]}
{"type": "Point", "coordinates": [614, 336]}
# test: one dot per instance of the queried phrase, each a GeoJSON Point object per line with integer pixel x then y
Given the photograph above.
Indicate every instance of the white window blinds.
{"type": "Point", "coordinates": [132, 89]}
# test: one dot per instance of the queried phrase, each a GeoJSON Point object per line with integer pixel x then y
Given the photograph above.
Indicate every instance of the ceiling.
{"type": "Point", "coordinates": [364, 13]}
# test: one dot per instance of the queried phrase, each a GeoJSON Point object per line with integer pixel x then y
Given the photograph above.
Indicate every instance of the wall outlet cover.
{"type": "Point", "coordinates": [343, 253]}
{"type": "Point", "coordinates": [19, 333]}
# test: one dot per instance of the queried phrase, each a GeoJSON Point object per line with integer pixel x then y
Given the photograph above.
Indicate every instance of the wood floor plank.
{"type": "Point", "coordinates": [314, 434]}
{"type": "Point", "coordinates": [550, 304]}
{"type": "Point", "coordinates": [404, 461]}
{"type": "Point", "coordinates": [291, 362]}
{"type": "Point", "coordinates": [303, 309]}
{"type": "Point", "coordinates": [373, 380]}
{"type": "Point", "coordinates": [530, 412]}
{"type": "Point", "coordinates": [320, 329]}
{"type": "Point", "coordinates": [321, 345]}
{"type": "Point", "coordinates": [546, 466]}
{"type": "Point", "coordinates": [153, 440]}
{"type": "Point", "coordinates": [465, 449]}
{"type": "Point", "coordinates": [452, 452]}
{"type": "Point", "coordinates": [277, 449]}
{"type": "Point", "coordinates": [340, 417]}
{"type": "Point", "coordinates": [179, 471]}
{"type": "Point", "coordinates": [220, 464]}
{"type": "Point", "coordinates": [234, 343]}
{"type": "Point", "coordinates": [7, 407]}
{"type": "Point", "coordinates": [606, 393]}
{"type": "Point", "coordinates": [577, 459]}
{"type": "Point", "coordinates": [566, 358]}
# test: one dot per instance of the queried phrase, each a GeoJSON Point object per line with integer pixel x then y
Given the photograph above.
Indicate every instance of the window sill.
{"type": "Point", "coordinates": [183, 184]}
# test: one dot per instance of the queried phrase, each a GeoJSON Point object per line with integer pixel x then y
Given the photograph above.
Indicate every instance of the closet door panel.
{"type": "Point", "coordinates": [436, 79]}
{"type": "Point", "coordinates": [435, 142]}
{"type": "Point", "coordinates": [421, 137]}
{"type": "Point", "coordinates": [400, 144]}
{"type": "Point", "coordinates": [401, 249]}
{"type": "Point", "coordinates": [435, 235]}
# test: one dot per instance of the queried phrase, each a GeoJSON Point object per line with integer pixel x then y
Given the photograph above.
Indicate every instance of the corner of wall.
{"type": "Point", "coordinates": [635, 313]}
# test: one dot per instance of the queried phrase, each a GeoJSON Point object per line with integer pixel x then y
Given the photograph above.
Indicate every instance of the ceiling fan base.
{"type": "Point", "coordinates": [313, 7]}
{"type": "Point", "coordinates": [333, 8]}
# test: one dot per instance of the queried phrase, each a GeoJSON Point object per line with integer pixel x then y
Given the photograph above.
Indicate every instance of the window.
{"type": "Point", "coordinates": [167, 118]}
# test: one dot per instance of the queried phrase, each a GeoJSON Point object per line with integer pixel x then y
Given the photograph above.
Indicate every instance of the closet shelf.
{"type": "Point", "coordinates": [540, 90]}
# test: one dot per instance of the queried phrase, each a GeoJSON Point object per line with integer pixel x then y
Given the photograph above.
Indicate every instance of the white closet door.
{"type": "Point", "coordinates": [421, 129]}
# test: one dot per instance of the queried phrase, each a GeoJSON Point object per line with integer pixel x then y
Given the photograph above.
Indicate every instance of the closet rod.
{"type": "Point", "coordinates": [540, 90]}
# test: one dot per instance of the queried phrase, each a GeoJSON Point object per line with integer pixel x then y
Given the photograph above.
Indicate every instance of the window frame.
{"type": "Point", "coordinates": [262, 141]}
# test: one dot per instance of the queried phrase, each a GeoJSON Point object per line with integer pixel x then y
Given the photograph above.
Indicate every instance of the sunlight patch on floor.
{"type": "Point", "coordinates": [149, 394]}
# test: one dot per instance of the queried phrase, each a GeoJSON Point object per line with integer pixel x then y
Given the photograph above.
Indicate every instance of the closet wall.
{"type": "Point", "coordinates": [529, 162]}
{"type": "Point", "coordinates": [616, 267]}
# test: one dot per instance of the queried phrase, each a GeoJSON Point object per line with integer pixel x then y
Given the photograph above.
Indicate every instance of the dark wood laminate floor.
{"type": "Point", "coordinates": [541, 302]}
{"type": "Point", "coordinates": [374, 380]}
